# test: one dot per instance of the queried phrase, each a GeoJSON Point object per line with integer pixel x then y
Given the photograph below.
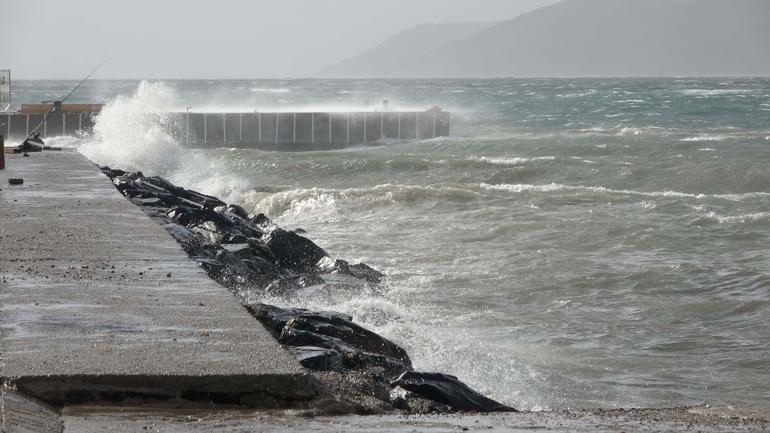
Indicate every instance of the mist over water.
{"type": "Point", "coordinates": [575, 243]}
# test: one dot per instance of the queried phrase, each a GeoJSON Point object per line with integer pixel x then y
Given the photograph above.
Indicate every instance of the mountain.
{"type": "Point", "coordinates": [607, 38]}
{"type": "Point", "coordinates": [391, 58]}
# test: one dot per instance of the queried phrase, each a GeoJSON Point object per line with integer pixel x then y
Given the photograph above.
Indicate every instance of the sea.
{"type": "Point", "coordinates": [575, 243]}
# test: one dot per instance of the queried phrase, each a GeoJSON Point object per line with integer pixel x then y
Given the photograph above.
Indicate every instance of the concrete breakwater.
{"type": "Point", "coordinates": [356, 369]}
{"type": "Point", "coordinates": [101, 306]}
{"type": "Point", "coordinates": [269, 130]}
{"type": "Point", "coordinates": [17, 126]}
{"type": "Point", "coordinates": [315, 130]}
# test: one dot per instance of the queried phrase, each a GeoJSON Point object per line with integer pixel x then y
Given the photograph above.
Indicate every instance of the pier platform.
{"type": "Point", "coordinates": [99, 303]}
{"type": "Point", "coordinates": [260, 130]}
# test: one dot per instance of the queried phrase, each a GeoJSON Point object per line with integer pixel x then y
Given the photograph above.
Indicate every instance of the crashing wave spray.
{"type": "Point", "coordinates": [138, 132]}
{"type": "Point", "coordinates": [133, 132]}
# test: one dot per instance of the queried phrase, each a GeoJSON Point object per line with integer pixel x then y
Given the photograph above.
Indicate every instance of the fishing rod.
{"type": "Point", "coordinates": [93, 71]}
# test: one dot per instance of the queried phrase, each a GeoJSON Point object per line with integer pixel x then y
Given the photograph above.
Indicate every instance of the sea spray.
{"type": "Point", "coordinates": [140, 132]}
{"type": "Point", "coordinates": [136, 132]}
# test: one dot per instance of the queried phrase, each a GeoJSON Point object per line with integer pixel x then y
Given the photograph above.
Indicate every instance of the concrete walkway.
{"type": "Point", "coordinates": [97, 301]}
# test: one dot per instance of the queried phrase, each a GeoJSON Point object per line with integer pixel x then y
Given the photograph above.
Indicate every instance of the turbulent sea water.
{"type": "Point", "coordinates": [576, 243]}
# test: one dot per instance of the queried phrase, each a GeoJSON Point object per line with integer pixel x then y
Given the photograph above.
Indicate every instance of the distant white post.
{"type": "Point", "coordinates": [187, 128]}
{"type": "Point", "coordinates": [224, 128]}
{"type": "Point", "coordinates": [434, 124]}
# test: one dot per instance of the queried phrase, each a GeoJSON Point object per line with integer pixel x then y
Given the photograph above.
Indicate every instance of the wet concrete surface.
{"type": "Point", "coordinates": [22, 414]}
{"type": "Point", "coordinates": [93, 420]}
{"type": "Point", "coordinates": [98, 300]}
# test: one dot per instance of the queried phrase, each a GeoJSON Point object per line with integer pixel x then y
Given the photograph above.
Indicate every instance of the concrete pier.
{"type": "Point", "coordinates": [17, 126]}
{"type": "Point", "coordinates": [276, 131]}
{"type": "Point", "coordinates": [308, 131]}
{"type": "Point", "coordinates": [98, 302]}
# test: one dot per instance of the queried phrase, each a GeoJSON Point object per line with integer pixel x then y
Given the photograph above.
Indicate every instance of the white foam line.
{"type": "Point", "coordinates": [551, 187]}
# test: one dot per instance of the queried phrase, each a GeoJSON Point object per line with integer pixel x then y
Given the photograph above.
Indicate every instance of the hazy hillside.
{"type": "Point", "coordinates": [396, 55]}
{"type": "Point", "coordinates": [609, 37]}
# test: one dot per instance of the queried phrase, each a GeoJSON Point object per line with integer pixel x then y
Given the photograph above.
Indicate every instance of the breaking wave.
{"type": "Point", "coordinates": [714, 92]}
{"type": "Point", "coordinates": [512, 161]}
{"type": "Point", "coordinates": [130, 132]}
{"type": "Point", "coordinates": [705, 137]}
{"type": "Point", "coordinates": [295, 202]}
{"type": "Point", "coordinates": [553, 187]}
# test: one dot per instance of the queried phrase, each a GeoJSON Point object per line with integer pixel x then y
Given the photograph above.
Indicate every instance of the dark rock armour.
{"type": "Point", "coordinates": [355, 369]}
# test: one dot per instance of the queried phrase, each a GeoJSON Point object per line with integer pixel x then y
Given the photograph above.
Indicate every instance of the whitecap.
{"type": "Point", "coordinates": [714, 92]}
{"type": "Point", "coordinates": [270, 90]}
{"type": "Point", "coordinates": [737, 219]}
{"type": "Point", "coordinates": [588, 92]}
{"type": "Point", "coordinates": [303, 201]}
{"type": "Point", "coordinates": [705, 137]}
{"type": "Point", "coordinates": [552, 187]}
{"type": "Point", "coordinates": [627, 131]}
{"type": "Point", "coordinates": [505, 160]}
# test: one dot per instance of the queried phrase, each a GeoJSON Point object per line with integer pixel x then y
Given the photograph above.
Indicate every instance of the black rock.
{"type": "Point", "coordinates": [238, 211]}
{"type": "Point", "coordinates": [448, 390]}
{"type": "Point", "coordinates": [356, 347]}
{"type": "Point", "coordinates": [412, 403]}
{"type": "Point", "coordinates": [342, 267]}
{"type": "Point", "coordinates": [318, 358]}
{"type": "Point", "coordinates": [293, 251]}
{"type": "Point", "coordinates": [275, 318]}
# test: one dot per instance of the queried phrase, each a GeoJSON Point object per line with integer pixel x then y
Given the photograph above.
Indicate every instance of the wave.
{"type": "Point", "coordinates": [270, 90]}
{"type": "Point", "coordinates": [714, 92]}
{"type": "Point", "coordinates": [131, 132]}
{"type": "Point", "coordinates": [553, 187]}
{"type": "Point", "coordinates": [627, 131]}
{"type": "Point", "coordinates": [706, 137]}
{"type": "Point", "coordinates": [136, 132]}
{"type": "Point", "coordinates": [733, 219]}
{"type": "Point", "coordinates": [299, 201]}
{"type": "Point", "coordinates": [588, 92]}
{"type": "Point", "coordinates": [510, 161]}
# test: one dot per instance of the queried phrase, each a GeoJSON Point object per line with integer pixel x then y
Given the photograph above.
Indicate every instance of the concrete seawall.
{"type": "Point", "coordinates": [288, 131]}
{"type": "Point", "coordinates": [316, 130]}
{"type": "Point", "coordinates": [17, 126]}
{"type": "Point", "coordinates": [101, 303]}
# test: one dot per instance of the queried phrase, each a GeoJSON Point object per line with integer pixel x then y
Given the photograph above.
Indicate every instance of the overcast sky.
{"type": "Point", "coordinates": [214, 39]}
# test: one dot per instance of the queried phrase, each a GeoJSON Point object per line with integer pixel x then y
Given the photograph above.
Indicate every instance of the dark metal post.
{"type": "Point", "coordinates": [2, 153]}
